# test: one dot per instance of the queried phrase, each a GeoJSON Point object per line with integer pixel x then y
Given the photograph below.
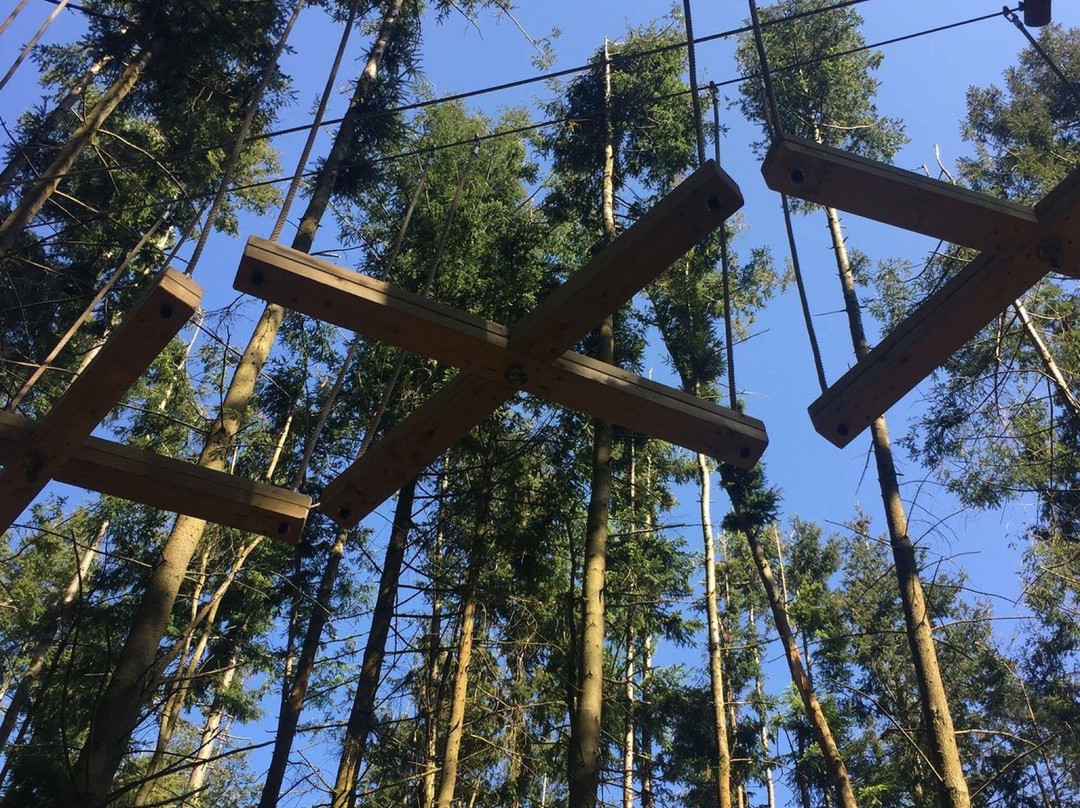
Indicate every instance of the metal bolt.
{"type": "Point", "coordinates": [515, 374]}
{"type": "Point", "coordinates": [797, 176]}
{"type": "Point", "coordinates": [1052, 251]}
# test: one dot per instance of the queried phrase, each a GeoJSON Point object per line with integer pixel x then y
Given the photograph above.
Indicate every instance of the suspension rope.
{"type": "Point", "coordinates": [546, 76]}
{"type": "Point", "coordinates": [320, 113]}
{"type": "Point", "coordinates": [1010, 15]}
{"type": "Point", "coordinates": [33, 41]}
{"type": "Point", "coordinates": [11, 17]}
{"type": "Point", "coordinates": [240, 141]}
{"type": "Point", "coordinates": [775, 130]}
{"type": "Point", "coordinates": [429, 282]}
{"type": "Point", "coordinates": [691, 57]}
{"type": "Point", "coordinates": [725, 276]}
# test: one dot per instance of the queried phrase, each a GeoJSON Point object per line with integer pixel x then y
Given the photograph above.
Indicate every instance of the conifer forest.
{"type": "Point", "coordinates": [385, 388]}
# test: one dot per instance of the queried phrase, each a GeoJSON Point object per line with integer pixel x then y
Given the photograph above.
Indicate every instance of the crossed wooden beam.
{"type": "Point", "coordinates": [1019, 245]}
{"type": "Point", "coordinates": [534, 355]}
{"type": "Point", "coordinates": [60, 446]}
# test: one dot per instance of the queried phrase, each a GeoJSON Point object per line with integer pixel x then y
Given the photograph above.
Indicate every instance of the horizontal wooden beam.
{"type": "Point", "coordinates": [411, 446]}
{"type": "Point", "coordinates": [382, 311]}
{"type": "Point", "coordinates": [172, 485]}
{"type": "Point", "coordinates": [947, 319]}
{"type": "Point", "coordinates": [682, 219]}
{"type": "Point", "coordinates": [884, 193]}
{"type": "Point", "coordinates": [153, 321]}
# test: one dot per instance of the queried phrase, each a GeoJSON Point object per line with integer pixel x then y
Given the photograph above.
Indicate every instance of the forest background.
{"type": "Point", "coordinates": [923, 83]}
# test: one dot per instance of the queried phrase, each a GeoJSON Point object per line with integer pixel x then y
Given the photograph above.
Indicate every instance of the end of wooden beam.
{"type": "Point", "coordinates": [826, 176]}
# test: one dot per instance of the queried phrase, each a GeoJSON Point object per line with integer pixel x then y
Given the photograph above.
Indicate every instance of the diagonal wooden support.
{"type": "Point", "coordinates": [156, 318]}
{"type": "Point", "coordinates": [1020, 246]}
{"type": "Point", "coordinates": [163, 482]}
{"type": "Point", "coordinates": [532, 356]}
{"type": "Point", "coordinates": [60, 446]}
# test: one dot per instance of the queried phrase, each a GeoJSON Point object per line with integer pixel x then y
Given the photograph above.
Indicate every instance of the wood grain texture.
{"type": "Point", "coordinates": [411, 446]}
{"type": "Point", "coordinates": [947, 319]}
{"type": "Point", "coordinates": [153, 321]}
{"type": "Point", "coordinates": [172, 485]}
{"type": "Point", "coordinates": [884, 193]}
{"type": "Point", "coordinates": [683, 218]}
{"type": "Point", "coordinates": [380, 310]}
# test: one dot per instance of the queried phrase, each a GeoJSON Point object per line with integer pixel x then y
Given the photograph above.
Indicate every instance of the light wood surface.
{"type": "Point", "coordinates": [162, 482]}
{"type": "Point", "coordinates": [884, 193]}
{"type": "Point", "coordinates": [154, 320]}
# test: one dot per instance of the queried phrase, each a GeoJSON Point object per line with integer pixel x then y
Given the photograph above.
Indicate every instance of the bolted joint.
{"type": "Point", "coordinates": [1052, 252]}
{"type": "Point", "coordinates": [515, 374]}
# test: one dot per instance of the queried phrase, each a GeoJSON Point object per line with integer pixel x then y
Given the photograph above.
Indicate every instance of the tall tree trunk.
{"type": "Point", "coordinates": [19, 157]}
{"type": "Point", "coordinates": [211, 733]}
{"type": "Point", "coordinates": [456, 727]}
{"type": "Point", "coordinates": [38, 194]}
{"type": "Point", "coordinates": [628, 719]}
{"type": "Point", "coordinates": [431, 690]}
{"type": "Point", "coordinates": [722, 782]}
{"type": "Point", "coordinates": [648, 799]}
{"type": "Point", "coordinates": [586, 750]}
{"type": "Point", "coordinates": [118, 711]}
{"type": "Point", "coordinates": [362, 715]}
{"type": "Point", "coordinates": [735, 482]}
{"type": "Point", "coordinates": [22, 697]}
{"type": "Point", "coordinates": [934, 705]}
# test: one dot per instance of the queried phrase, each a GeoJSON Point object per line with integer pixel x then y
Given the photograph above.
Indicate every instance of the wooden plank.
{"type": "Point", "coordinates": [380, 310]}
{"type": "Point", "coordinates": [884, 193]}
{"type": "Point", "coordinates": [411, 446]}
{"type": "Point", "coordinates": [947, 319]}
{"type": "Point", "coordinates": [154, 320]}
{"type": "Point", "coordinates": [639, 404]}
{"type": "Point", "coordinates": [682, 219]}
{"type": "Point", "coordinates": [172, 485]}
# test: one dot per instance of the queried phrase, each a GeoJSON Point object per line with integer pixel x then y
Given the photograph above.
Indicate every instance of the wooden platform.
{"type": "Point", "coordinates": [1020, 246]}
{"type": "Point", "coordinates": [532, 356]}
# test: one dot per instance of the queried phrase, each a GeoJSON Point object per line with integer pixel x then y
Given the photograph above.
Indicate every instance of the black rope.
{"type": "Point", "coordinates": [725, 276]}
{"type": "Point", "coordinates": [1010, 15]}
{"type": "Point", "coordinates": [691, 57]}
{"type": "Point", "coordinates": [772, 113]}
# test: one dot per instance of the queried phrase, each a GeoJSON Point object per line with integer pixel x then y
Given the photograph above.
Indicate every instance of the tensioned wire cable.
{"type": "Point", "coordinates": [517, 130]}
{"type": "Point", "coordinates": [505, 86]}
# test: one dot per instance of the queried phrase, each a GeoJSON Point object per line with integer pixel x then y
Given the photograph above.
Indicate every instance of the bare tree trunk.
{"type": "Point", "coordinates": [584, 762]}
{"type": "Point", "coordinates": [722, 782]}
{"type": "Point", "coordinates": [21, 699]}
{"type": "Point", "coordinates": [648, 799]}
{"type": "Point", "coordinates": [430, 701]}
{"type": "Point", "coordinates": [38, 194]}
{"type": "Point", "coordinates": [835, 770]}
{"type": "Point", "coordinates": [211, 733]}
{"type": "Point", "coordinates": [362, 716]}
{"type": "Point", "coordinates": [937, 718]}
{"type": "Point", "coordinates": [459, 692]}
{"type": "Point", "coordinates": [1047, 359]}
{"type": "Point", "coordinates": [118, 711]}
{"type": "Point", "coordinates": [628, 719]}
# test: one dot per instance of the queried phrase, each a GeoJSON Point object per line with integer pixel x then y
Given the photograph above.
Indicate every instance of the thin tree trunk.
{"type": "Point", "coordinates": [584, 763]}
{"type": "Point", "coordinates": [431, 689]}
{"type": "Point", "coordinates": [362, 715]}
{"type": "Point", "coordinates": [38, 193]}
{"type": "Point", "coordinates": [19, 158]}
{"type": "Point", "coordinates": [933, 702]}
{"type": "Point", "coordinates": [628, 719]}
{"type": "Point", "coordinates": [648, 800]}
{"type": "Point", "coordinates": [22, 697]}
{"type": "Point", "coordinates": [211, 733]}
{"type": "Point", "coordinates": [835, 770]}
{"type": "Point", "coordinates": [1047, 359]}
{"type": "Point", "coordinates": [722, 783]}
{"type": "Point", "coordinates": [456, 730]}
{"type": "Point", "coordinates": [118, 711]}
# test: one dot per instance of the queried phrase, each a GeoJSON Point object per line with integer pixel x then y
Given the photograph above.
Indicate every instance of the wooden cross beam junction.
{"type": "Point", "coordinates": [534, 356]}
{"type": "Point", "coordinates": [1019, 246]}
{"type": "Point", "coordinates": [60, 446]}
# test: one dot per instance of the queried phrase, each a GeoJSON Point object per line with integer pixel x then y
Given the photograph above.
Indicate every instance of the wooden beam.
{"type": "Point", "coordinates": [382, 311]}
{"type": "Point", "coordinates": [154, 320]}
{"type": "Point", "coordinates": [884, 193]}
{"type": "Point", "coordinates": [679, 221]}
{"type": "Point", "coordinates": [411, 446]}
{"type": "Point", "coordinates": [947, 319]}
{"type": "Point", "coordinates": [172, 485]}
